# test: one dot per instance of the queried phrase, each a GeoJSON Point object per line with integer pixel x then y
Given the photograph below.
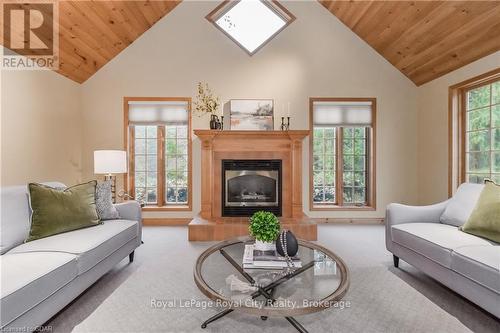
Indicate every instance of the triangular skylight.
{"type": "Point", "coordinates": [250, 23]}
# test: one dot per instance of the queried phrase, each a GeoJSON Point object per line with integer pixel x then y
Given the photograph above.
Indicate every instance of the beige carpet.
{"type": "Point", "coordinates": [382, 298]}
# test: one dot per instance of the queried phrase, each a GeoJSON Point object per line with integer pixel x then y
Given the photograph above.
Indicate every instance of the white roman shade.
{"type": "Point", "coordinates": [342, 113]}
{"type": "Point", "coordinates": [157, 112]}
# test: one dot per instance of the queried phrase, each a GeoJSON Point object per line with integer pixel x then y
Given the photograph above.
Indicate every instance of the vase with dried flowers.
{"type": "Point", "coordinates": [207, 103]}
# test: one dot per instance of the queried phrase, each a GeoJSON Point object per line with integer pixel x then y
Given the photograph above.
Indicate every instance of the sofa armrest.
{"type": "Point", "coordinates": [398, 214]}
{"type": "Point", "coordinates": [131, 210]}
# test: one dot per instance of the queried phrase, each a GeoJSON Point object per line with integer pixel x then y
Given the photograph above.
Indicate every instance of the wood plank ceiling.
{"type": "Point", "coordinates": [91, 33]}
{"type": "Point", "coordinates": [94, 32]}
{"type": "Point", "coordinates": [424, 39]}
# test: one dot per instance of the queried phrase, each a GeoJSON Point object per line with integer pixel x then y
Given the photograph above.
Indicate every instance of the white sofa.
{"type": "Point", "coordinates": [428, 238]}
{"type": "Point", "coordinates": [41, 277]}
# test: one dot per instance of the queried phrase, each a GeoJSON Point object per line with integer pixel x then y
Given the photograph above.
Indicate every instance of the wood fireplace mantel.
{"type": "Point", "coordinates": [219, 145]}
{"type": "Point", "coordinates": [291, 134]}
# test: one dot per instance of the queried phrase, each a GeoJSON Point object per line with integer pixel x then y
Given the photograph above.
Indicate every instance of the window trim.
{"type": "Point", "coordinates": [371, 170]}
{"type": "Point", "coordinates": [128, 140]}
{"type": "Point", "coordinates": [456, 126]}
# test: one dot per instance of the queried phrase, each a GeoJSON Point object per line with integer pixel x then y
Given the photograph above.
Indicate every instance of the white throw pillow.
{"type": "Point", "coordinates": [104, 202]}
{"type": "Point", "coordinates": [460, 207]}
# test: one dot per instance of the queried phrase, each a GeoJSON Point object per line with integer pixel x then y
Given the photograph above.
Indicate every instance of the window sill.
{"type": "Point", "coordinates": [172, 208]}
{"type": "Point", "coordinates": [341, 208]}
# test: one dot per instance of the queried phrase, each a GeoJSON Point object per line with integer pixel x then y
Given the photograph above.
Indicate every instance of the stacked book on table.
{"type": "Point", "coordinates": [253, 259]}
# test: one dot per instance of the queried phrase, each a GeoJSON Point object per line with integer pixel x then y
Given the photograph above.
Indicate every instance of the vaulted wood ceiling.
{"type": "Point", "coordinates": [424, 39]}
{"type": "Point", "coordinates": [94, 32]}
{"type": "Point", "coordinates": [91, 33]}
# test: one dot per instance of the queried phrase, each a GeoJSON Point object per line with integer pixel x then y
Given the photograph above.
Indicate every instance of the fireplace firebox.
{"type": "Point", "coordinates": [251, 185]}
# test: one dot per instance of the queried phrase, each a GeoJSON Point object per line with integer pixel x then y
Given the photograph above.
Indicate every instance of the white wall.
{"type": "Point", "coordinates": [433, 128]}
{"type": "Point", "coordinates": [40, 128]}
{"type": "Point", "coordinates": [315, 56]}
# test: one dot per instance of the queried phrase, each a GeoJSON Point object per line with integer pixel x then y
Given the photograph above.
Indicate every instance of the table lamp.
{"type": "Point", "coordinates": [110, 163]}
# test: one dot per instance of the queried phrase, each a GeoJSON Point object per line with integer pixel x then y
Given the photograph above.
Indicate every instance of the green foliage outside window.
{"type": "Point", "coordinates": [145, 176]}
{"type": "Point", "coordinates": [324, 159]}
{"type": "Point", "coordinates": [176, 163]}
{"type": "Point", "coordinates": [483, 133]}
{"type": "Point", "coordinates": [353, 169]}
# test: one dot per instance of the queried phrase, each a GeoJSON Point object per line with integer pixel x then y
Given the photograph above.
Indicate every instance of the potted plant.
{"type": "Point", "coordinates": [265, 227]}
{"type": "Point", "coordinates": [207, 103]}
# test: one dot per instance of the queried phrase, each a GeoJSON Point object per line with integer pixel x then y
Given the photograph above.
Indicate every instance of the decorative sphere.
{"type": "Point", "coordinates": [291, 243]}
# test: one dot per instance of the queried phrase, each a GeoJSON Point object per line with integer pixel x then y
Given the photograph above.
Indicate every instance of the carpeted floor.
{"type": "Point", "coordinates": [382, 298]}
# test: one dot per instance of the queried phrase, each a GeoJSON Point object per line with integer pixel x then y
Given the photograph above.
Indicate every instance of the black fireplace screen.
{"type": "Point", "coordinates": [259, 188]}
{"type": "Point", "coordinates": [251, 185]}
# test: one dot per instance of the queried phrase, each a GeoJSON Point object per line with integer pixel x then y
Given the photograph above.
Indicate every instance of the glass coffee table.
{"type": "Point", "coordinates": [320, 282]}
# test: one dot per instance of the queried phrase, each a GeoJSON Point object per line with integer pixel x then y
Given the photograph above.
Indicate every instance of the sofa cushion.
{"type": "Point", "coordinates": [91, 245]}
{"type": "Point", "coordinates": [30, 278]}
{"type": "Point", "coordinates": [15, 215]}
{"type": "Point", "coordinates": [460, 207]}
{"type": "Point", "coordinates": [479, 263]}
{"type": "Point", "coordinates": [434, 240]}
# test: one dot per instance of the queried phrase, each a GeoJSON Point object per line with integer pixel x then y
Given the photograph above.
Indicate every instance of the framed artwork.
{"type": "Point", "coordinates": [252, 114]}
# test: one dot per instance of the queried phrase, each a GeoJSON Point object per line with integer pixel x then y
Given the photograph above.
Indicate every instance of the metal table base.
{"type": "Point", "coordinates": [267, 292]}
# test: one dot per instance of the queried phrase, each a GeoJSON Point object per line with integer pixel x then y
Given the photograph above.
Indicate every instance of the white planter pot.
{"type": "Point", "coordinates": [264, 246]}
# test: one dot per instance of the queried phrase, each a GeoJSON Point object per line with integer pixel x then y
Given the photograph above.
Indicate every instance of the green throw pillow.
{"type": "Point", "coordinates": [484, 220]}
{"type": "Point", "coordinates": [56, 211]}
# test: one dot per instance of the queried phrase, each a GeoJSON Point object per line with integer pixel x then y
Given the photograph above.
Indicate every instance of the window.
{"type": "Point", "coordinates": [482, 148]}
{"type": "Point", "coordinates": [145, 163]}
{"type": "Point", "coordinates": [342, 153]}
{"type": "Point", "coordinates": [475, 127]}
{"type": "Point", "coordinates": [159, 145]}
{"type": "Point", "coordinates": [250, 23]}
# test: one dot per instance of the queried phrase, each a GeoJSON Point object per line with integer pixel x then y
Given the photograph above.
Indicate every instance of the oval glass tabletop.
{"type": "Point", "coordinates": [322, 279]}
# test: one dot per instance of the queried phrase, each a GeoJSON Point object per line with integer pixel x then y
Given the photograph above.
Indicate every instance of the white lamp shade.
{"type": "Point", "coordinates": [110, 161]}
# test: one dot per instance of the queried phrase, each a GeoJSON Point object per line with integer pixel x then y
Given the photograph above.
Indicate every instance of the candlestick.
{"type": "Point", "coordinates": [285, 126]}
{"type": "Point", "coordinates": [288, 113]}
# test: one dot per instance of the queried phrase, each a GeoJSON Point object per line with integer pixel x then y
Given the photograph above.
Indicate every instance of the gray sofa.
{"type": "Point", "coordinates": [41, 277]}
{"type": "Point", "coordinates": [428, 238]}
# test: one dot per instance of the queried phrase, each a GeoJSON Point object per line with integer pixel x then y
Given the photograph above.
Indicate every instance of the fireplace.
{"type": "Point", "coordinates": [251, 185]}
{"type": "Point", "coordinates": [230, 150]}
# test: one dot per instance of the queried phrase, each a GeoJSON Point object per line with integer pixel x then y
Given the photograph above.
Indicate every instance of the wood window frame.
{"type": "Point", "coordinates": [128, 144]}
{"type": "Point", "coordinates": [457, 126]}
{"type": "Point", "coordinates": [371, 190]}
{"type": "Point", "coordinates": [273, 5]}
